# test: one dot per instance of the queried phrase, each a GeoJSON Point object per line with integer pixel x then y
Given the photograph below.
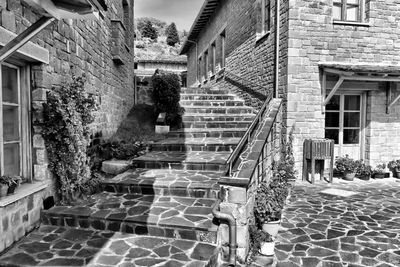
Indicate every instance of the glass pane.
{"type": "Point", "coordinates": [332, 119]}
{"type": "Point", "coordinates": [332, 134]}
{"type": "Point", "coordinates": [337, 12]}
{"type": "Point", "coordinates": [10, 123]}
{"type": "Point", "coordinates": [11, 159]}
{"type": "Point", "coordinates": [9, 84]}
{"type": "Point", "coordinates": [352, 13]}
{"type": "Point", "coordinates": [259, 16]}
{"type": "Point", "coordinates": [334, 103]}
{"type": "Point", "coordinates": [354, 2]}
{"type": "Point", "coordinates": [352, 102]}
{"type": "Point", "coordinates": [351, 119]}
{"type": "Point", "coordinates": [351, 136]}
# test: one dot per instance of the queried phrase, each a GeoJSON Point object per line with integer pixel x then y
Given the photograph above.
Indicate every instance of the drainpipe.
{"type": "Point", "coordinates": [232, 231]}
{"type": "Point", "coordinates": [196, 63]}
{"type": "Point", "coordinates": [277, 33]}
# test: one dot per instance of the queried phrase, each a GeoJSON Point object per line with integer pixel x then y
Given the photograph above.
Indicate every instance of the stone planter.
{"type": "Point", "coordinates": [396, 173]}
{"type": "Point", "coordinates": [3, 190]}
{"type": "Point", "coordinates": [272, 227]}
{"type": "Point", "coordinates": [349, 176]}
{"type": "Point", "coordinates": [364, 177]}
{"type": "Point", "coordinates": [379, 175]}
{"type": "Point", "coordinates": [267, 248]}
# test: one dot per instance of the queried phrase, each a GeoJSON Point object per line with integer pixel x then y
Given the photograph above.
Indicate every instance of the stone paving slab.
{"type": "Point", "coordinates": [138, 213]}
{"type": "Point", "coordinates": [327, 230]}
{"type": "Point", "coordinates": [61, 246]}
{"type": "Point", "coordinates": [197, 184]}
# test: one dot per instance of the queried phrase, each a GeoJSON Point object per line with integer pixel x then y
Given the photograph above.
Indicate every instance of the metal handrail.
{"type": "Point", "coordinates": [247, 136]}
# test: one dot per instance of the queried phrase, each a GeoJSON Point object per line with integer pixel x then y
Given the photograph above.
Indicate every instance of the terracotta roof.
{"type": "Point", "coordinates": [359, 67]}
{"type": "Point", "coordinates": [206, 11]}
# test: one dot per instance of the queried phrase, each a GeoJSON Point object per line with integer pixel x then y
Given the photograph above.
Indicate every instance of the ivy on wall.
{"type": "Point", "coordinates": [67, 115]}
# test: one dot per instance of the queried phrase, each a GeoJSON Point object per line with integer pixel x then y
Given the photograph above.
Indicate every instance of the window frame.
{"type": "Point", "coordinates": [265, 12]}
{"type": "Point", "coordinates": [24, 115]}
{"type": "Point", "coordinates": [361, 16]}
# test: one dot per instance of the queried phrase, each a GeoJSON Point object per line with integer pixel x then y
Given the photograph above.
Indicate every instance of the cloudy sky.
{"type": "Point", "coordinates": [182, 12]}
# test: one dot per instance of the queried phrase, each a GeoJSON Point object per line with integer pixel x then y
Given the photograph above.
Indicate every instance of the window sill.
{"type": "Point", "coordinates": [351, 23]}
{"type": "Point", "coordinates": [23, 191]}
{"type": "Point", "coordinates": [261, 36]}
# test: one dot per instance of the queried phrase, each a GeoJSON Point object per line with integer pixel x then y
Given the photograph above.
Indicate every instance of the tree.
{"type": "Point", "coordinates": [149, 31]}
{"type": "Point", "coordinates": [172, 35]}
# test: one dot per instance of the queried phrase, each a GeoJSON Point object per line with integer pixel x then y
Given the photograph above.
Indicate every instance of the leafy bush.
{"type": "Point", "coordinates": [346, 164]}
{"type": "Point", "coordinates": [149, 31]}
{"type": "Point", "coordinates": [67, 115]}
{"type": "Point", "coordinates": [166, 96]}
{"type": "Point", "coordinates": [363, 169]}
{"type": "Point", "coordinates": [394, 164]}
{"type": "Point", "coordinates": [113, 149]}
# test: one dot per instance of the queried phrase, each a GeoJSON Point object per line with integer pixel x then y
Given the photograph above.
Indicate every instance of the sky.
{"type": "Point", "coordinates": [182, 12]}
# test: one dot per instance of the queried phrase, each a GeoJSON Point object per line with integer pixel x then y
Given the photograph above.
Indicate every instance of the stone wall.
{"type": "Point", "coordinates": [75, 48]}
{"type": "Point", "coordinates": [144, 90]}
{"type": "Point", "coordinates": [314, 38]}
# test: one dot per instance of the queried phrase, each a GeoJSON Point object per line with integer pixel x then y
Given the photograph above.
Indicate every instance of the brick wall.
{"type": "Point", "coordinates": [74, 48]}
{"type": "Point", "coordinates": [313, 38]}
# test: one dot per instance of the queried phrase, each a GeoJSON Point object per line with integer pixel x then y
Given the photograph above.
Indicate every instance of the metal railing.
{"type": "Point", "coordinates": [246, 139]}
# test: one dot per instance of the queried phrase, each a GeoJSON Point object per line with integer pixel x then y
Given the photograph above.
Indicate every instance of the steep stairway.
{"type": "Point", "coordinates": [168, 196]}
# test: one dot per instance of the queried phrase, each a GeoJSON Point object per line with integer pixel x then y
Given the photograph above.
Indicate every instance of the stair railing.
{"type": "Point", "coordinates": [246, 139]}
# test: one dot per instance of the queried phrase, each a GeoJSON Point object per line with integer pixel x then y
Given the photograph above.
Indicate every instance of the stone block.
{"type": "Point", "coordinates": [115, 166]}
{"type": "Point", "coordinates": [39, 95]}
{"type": "Point", "coordinates": [8, 20]}
{"type": "Point", "coordinates": [38, 141]}
{"type": "Point", "coordinates": [242, 236]}
{"type": "Point", "coordinates": [237, 195]}
{"type": "Point", "coordinates": [40, 172]}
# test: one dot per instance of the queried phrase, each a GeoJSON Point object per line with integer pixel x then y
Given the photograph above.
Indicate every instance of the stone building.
{"type": "Point", "coordinates": [100, 48]}
{"type": "Point", "coordinates": [334, 62]}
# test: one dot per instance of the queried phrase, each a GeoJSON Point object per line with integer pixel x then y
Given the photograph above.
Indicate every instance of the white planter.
{"type": "Point", "coordinates": [267, 248]}
{"type": "Point", "coordinates": [162, 129]}
{"type": "Point", "coordinates": [272, 228]}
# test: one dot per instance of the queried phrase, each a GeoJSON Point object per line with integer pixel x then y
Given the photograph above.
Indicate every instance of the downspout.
{"type": "Point", "coordinates": [232, 231]}
{"type": "Point", "coordinates": [277, 33]}
{"type": "Point", "coordinates": [196, 63]}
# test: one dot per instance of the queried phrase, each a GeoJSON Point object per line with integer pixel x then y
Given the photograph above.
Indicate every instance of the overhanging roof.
{"type": "Point", "coordinates": [360, 68]}
{"type": "Point", "coordinates": [66, 9]}
{"type": "Point", "coordinates": [206, 11]}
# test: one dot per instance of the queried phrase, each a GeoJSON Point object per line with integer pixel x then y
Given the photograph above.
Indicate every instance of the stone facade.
{"type": "Point", "coordinates": [102, 50]}
{"type": "Point", "coordinates": [308, 36]}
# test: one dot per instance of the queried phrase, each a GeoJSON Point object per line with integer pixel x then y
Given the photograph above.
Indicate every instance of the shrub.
{"type": "Point", "coordinates": [166, 96]}
{"type": "Point", "coordinates": [346, 164]}
{"type": "Point", "coordinates": [172, 35]}
{"type": "Point", "coordinates": [394, 164]}
{"type": "Point", "coordinates": [363, 169]}
{"type": "Point", "coordinates": [380, 169]}
{"type": "Point", "coordinates": [66, 118]}
{"type": "Point", "coordinates": [257, 237]}
{"type": "Point", "coordinates": [149, 31]}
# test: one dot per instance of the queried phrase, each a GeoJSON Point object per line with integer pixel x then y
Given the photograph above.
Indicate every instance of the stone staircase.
{"type": "Point", "coordinates": [169, 195]}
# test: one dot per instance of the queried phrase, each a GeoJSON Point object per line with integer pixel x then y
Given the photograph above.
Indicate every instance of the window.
{"type": "Point", "coordinates": [199, 72]}
{"type": "Point", "coordinates": [206, 65]}
{"type": "Point", "coordinates": [213, 59]}
{"type": "Point", "coordinates": [263, 17]}
{"type": "Point", "coordinates": [222, 36]}
{"type": "Point", "coordinates": [14, 123]}
{"type": "Point", "coordinates": [348, 10]}
{"type": "Point", "coordinates": [128, 22]}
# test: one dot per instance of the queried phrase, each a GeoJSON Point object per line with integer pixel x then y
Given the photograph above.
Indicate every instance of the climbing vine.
{"type": "Point", "coordinates": [67, 115]}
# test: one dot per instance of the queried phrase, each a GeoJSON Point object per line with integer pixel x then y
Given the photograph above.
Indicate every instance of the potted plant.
{"type": "Point", "coordinates": [347, 166]}
{"type": "Point", "coordinates": [364, 171]}
{"type": "Point", "coordinates": [269, 201]}
{"type": "Point", "coordinates": [379, 171]}
{"type": "Point", "coordinates": [394, 167]}
{"type": "Point", "coordinates": [260, 242]}
{"type": "Point", "coordinates": [3, 186]}
{"type": "Point", "coordinates": [13, 183]}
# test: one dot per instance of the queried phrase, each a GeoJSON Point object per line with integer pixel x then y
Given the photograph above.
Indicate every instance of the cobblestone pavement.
{"type": "Point", "coordinates": [327, 230]}
{"type": "Point", "coordinates": [59, 246]}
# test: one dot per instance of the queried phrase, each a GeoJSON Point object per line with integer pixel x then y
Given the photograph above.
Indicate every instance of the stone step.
{"type": "Point", "coordinates": [208, 97]}
{"type": "Point", "coordinates": [216, 124]}
{"type": "Point", "coordinates": [165, 182]}
{"type": "Point", "coordinates": [220, 110]}
{"type": "Point", "coordinates": [201, 90]}
{"type": "Point", "coordinates": [209, 132]}
{"type": "Point", "coordinates": [212, 103]}
{"type": "Point", "coordinates": [70, 246]}
{"type": "Point", "coordinates": [196, 144]}
{"type": "Point", "coordinates": [152, 215]}
{"type": "Point", "coordinates": [190, 117]}
{"type": "Point", "coordinates": [198, 161]}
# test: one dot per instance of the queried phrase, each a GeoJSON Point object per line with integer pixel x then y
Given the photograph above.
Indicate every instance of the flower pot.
{"type": "Point", "coordinates": [379, 175]}
{"type": "Point", "coordinates": [364, 177]}
{"type": "Point", "coordinates": [267, 248]}
{"type": "Point", "coordinates": [3, 190]}
{"type": "Point", "coordinates": [272, 227]}
{"type": "Point", "coordinates": [11, 189]}
{"type": "Point", "coordinates": [396, 173]}
{"type": "Point", "coordinates": [349, 176]}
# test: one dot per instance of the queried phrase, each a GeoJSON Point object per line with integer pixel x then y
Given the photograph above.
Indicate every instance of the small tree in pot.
{"type": "Point", "coordinates": [394, 167]}
{"type": "Point", "coordinates": [347, 166]}
{"type": "Point", "coordinates": [260, 242]}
